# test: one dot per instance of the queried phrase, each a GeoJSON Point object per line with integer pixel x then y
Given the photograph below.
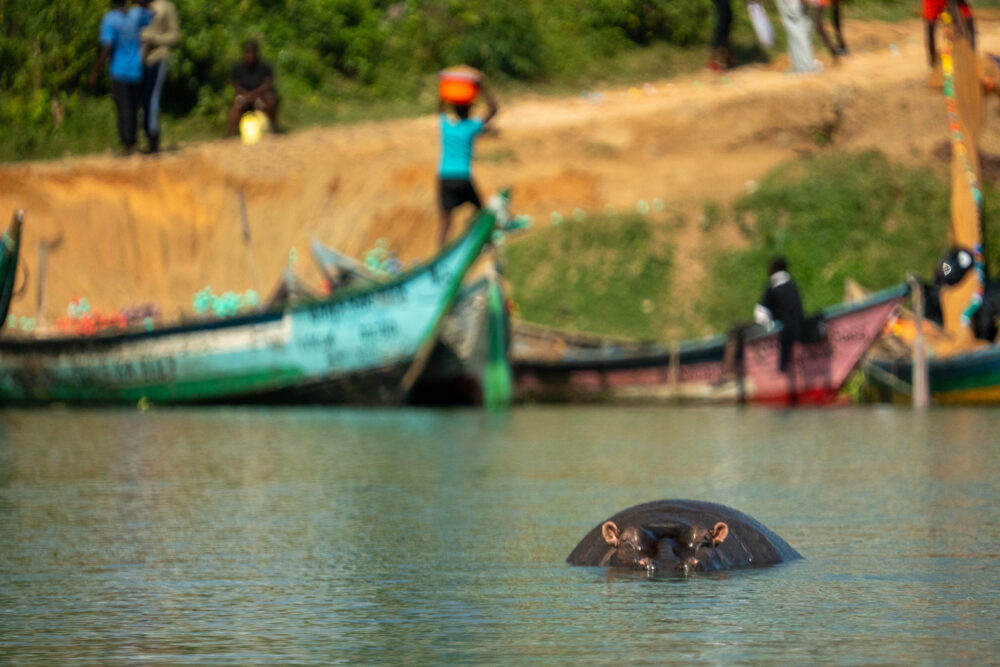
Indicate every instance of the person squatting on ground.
{"type": "Point", "coordinates": [455, 185]}
{"type": "Point", "coordinates": [932, 10]}
{"type": "Point", "coordinates": [721, 58]}
{"type": "Point", "coordinates": [158, 38]}
{"type": "Point", "coordinates": [798, 30]}
{"type": "Point", "coordinates": [819, 8]}
{"type": "Point", "coordinates": [781, 302]}
{"type": "Point", "coordinates": [121, 43]}
{"type": "Point", "coordinates": [253, 81]}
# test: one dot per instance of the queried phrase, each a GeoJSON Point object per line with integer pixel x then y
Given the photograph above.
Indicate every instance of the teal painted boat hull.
{"type": "Point", "coordinates": [963, 379]}
{"type": "Point", "coordinates": [469, 365]}
{"type": "Point", "coordinates": [470, 353]}
{"type": "Point", "coordinates": [361, 346]}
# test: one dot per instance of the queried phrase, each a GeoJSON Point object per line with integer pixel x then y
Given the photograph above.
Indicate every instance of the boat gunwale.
{"type": "Point", "coordinates": [700, 347]}
{"type": "Point", "coordinates": [486, 218]}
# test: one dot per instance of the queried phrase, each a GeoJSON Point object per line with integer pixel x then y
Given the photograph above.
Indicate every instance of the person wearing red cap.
{"type": "Point", "coordinates": [932, 10]}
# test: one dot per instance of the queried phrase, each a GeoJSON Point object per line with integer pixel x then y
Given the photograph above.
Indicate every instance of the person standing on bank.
{"type": "Point", "coordinates": [455, 185]}
{"type": "Point", "coordinates": [158, 38]}
{"type": "Point", "coordinates": [781, 302]}
{"type": "Point", "coordinates": [798, 29]}
{"type": "Point", "coordinates": [721, 58]}
{"type": "Point", "coordinates": [931, 11]}
{"type": "Point", "coordinates": [819, 8]}
{"type": "Point", "coordinates": [121, 43]}
{"type": "Point", "coordinates": [253, 81]}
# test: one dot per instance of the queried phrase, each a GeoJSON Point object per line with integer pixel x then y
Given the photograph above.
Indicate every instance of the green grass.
{"type": "Point", "coordinates": [601, 274]}
{"type": "Point", "coordinates": [835, 216]}
{"type": "Point", "coordinates": [90, 127]}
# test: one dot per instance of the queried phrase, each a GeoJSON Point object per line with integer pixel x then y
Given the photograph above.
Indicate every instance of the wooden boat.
{"type": "Point", "coordinates": [363, 345]}
{"type": "Point", "coordinates": [550, 365]}
{"type": "Point", "coordinates": [469, 364]}
{"type": "Point", "coordinates": [340, 269]}
{"type": "Point", "coordinates": [10, 249]}
{"type": "Point", "coordinates": [961, 369]}
{"type": "Point", "coordinates": [961, 379]}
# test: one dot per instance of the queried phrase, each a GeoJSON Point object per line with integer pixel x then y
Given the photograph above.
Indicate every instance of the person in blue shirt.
{"type": "Point", "coordinates": [121, 43]}
{"type": "Point", "coordinates": [455, 168]}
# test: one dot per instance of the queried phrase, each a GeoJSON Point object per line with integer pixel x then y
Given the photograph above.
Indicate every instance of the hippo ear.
{"type": "Point", "coordinates": [611, 533]}
{"type": "Point", "coordinates": [719, 533]}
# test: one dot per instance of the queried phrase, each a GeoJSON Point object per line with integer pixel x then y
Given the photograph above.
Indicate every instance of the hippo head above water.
{"type": "Point", "coordinates": [653, 547]}
{"type": "Point", "coordinates": [681, 536]}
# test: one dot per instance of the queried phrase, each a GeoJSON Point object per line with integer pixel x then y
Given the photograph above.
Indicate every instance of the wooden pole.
{"type": "Point", "coordinates": [675, 370]}
{"type": "Point", "coordinates": [919, 381]}
{"type": "Point", "coordinates": [45, 246]}
{"type": "Point", "coordinates": [245, 223]}
{"type": "Point", "coordinates": [43, 269]}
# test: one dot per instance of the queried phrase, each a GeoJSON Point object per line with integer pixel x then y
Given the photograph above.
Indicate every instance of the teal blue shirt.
{"type": "Point", "coordinates": [121, 30]}
{"type": "Point", "coordinates": [456, 146]}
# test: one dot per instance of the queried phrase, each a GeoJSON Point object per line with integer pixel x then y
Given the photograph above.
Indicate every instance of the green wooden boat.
{"type": "Point", "coordinates": [469, 364]}
{"type": "Point", "coordinates": [365, 345]}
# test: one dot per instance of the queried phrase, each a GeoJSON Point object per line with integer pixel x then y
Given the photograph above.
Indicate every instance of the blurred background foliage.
{"type": "Point", "coordinates": [332, 53]}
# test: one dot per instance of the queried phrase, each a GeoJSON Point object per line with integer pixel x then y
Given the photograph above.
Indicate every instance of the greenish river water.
{"type": "Point", "coordinates": [236, 536]}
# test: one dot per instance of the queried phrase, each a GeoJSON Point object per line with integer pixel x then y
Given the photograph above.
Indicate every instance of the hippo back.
{"type": "Point", "coordinates": [749, 543]}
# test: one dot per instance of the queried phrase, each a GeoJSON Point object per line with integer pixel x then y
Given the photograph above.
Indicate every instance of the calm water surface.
{"type": "Point", "coordinates": [255, 536]}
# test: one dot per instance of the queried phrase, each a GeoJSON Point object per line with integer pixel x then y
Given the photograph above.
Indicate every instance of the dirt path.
{"type": "Point", "coordinates": [142, 229]}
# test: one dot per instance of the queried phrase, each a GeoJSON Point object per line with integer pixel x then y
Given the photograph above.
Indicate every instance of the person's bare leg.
{"type": "Point", "coordinates": [836, 26]}
{"type": "Point", "coordinates": [445, 226]}
{"type": "Point", "coordinates": [233, 119]}
{"type": "Point", "coordinates": [931, 47]}
{"type": "Point", "coordinates": [271, 110]}
{"type": "Point", "coordinates": [818, 22]}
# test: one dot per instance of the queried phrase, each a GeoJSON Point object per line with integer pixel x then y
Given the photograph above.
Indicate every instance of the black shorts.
{"type": "Point", "coordinates": [453, 192]}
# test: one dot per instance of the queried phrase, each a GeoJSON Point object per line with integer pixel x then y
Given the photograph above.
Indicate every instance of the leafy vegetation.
{"type": "Point", "coordinates": [834, 216]}
{"type": "Point", "coordinates": [340, 60]}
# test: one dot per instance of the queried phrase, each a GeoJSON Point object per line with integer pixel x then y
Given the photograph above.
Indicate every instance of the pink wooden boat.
{"type": "Point", "coordinates": [556, 366]}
